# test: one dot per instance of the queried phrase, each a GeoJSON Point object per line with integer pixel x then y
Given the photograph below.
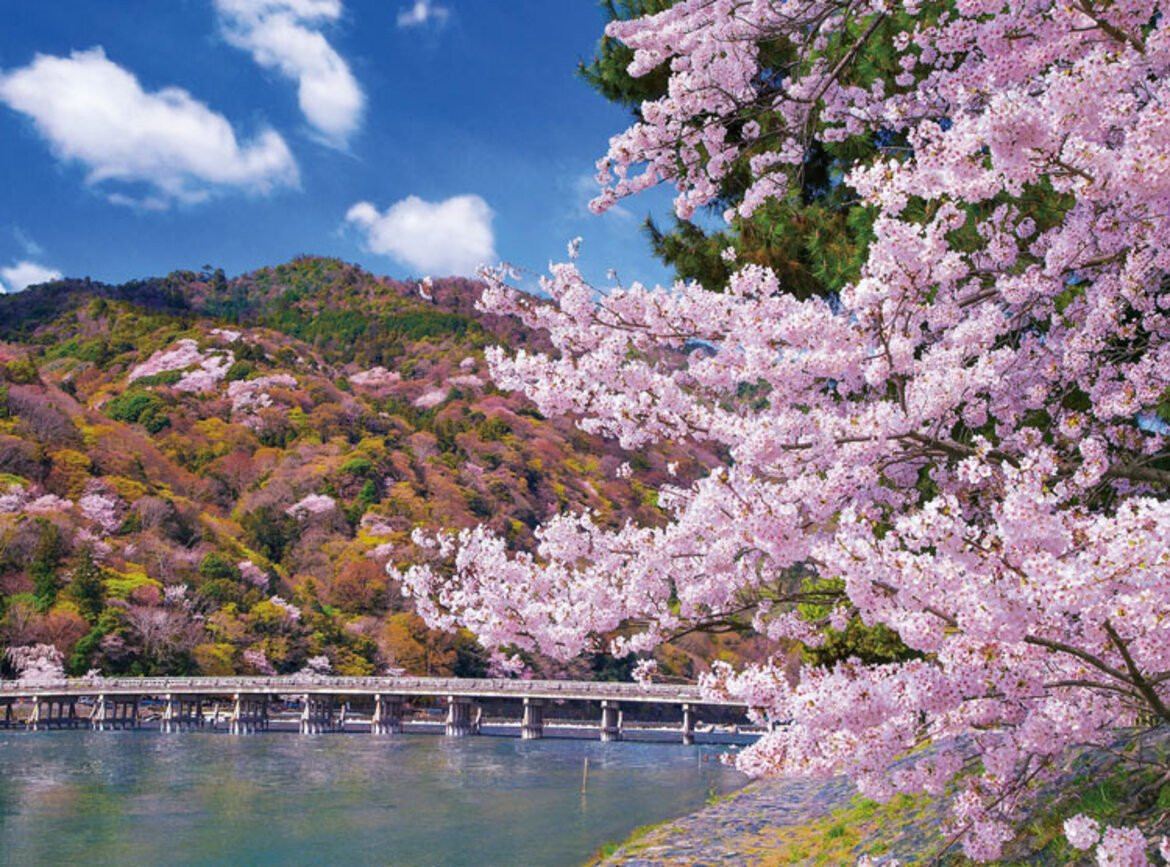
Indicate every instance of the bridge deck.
{"type": "Point", "coordinates": [482, 688]}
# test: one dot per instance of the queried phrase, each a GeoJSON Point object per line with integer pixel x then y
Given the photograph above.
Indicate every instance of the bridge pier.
{"type": "Point", "coordinates": [387, 718]}
{"type": "Point", "coordinates": [611, 721]}
{"type": "Point", "coordinates": [459, 718]}
{"type": "Point", "coordinates": [532, 725]}
{"type": "Point", "coordinates": [249, 714]}
{"type": "Point", "coordinates": [182, 712]}
{"type": "Point", "coordinates": [317, 715]}
{"type": "Point", "coordinates": [53, 712]}
{"type": "Point", "coordinates": [114, 712]}
{"type": "Point", "coordinates": [688, 725]}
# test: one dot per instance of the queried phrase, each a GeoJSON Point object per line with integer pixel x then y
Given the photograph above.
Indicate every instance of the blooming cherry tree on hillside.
{"type": "Point", "coordinates": [37, 664]}
{"type": "Point", "coordinates": [313, 504]}
{"type": "Point", "coordinates": [963, 444]}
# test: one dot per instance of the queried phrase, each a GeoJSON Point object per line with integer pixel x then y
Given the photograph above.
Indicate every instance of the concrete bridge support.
{"type": "Point", "coordinates": [317, 715]}
{"type": "Point", "coordinates": [611, 721]}
{"type": "Point", "coordinates": [249, 714]}
{"type": "Point", "coordinates": [688, 725]}
{"type": "Point", "coordinates": [182, 712]}
{"type": "Point", "coordinates": [114, 712]}
{"type": "Point", "coordinates": [460, 721]}
{"type": "Point", "coordinates": [52, 712]}
{"type": "Point", "coordinates": [387, 718]}
{"type": "Point", "coordinates": [532, 725]}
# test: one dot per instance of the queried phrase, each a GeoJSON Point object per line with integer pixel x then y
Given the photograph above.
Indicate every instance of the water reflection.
{"type": "Point", "coordinates": [201, 798]}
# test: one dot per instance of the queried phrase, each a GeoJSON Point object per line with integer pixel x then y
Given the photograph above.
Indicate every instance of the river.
{"type": "Point", "coordinates": [143, 797]}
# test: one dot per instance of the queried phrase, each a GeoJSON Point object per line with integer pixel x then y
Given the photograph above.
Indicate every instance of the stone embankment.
{"type": "Point", "coordinates": [786, 821]}
{"type": "Point", "coordinates": [825, 822]}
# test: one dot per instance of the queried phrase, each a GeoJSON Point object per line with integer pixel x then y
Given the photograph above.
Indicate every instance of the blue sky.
{"type": "Point", "coordinates": [139, 137]}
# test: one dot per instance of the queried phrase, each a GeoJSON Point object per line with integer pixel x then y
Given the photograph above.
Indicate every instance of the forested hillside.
{"type": "Point", "coordinates": [204, 475]}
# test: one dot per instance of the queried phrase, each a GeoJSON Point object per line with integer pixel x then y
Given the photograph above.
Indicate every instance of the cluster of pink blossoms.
{"type": "Point", "coordinates": [313, 504]}
{"type": "Point", "coordinates": [203, 371]}
{"type": "Point", "coordinates": [101, 509]}
{"type": "Point", "coordinates": [37, 664]}
{"type": "Point", "coordinates": [258, 660]}
{"type": "Point", "coordinates": [966, 438]}
{"type": "Point", "coordinates": [18, 500]}
{"type": "Point", "coordinates": [376, 377]}
{"type": "Point", "coordinates": [249, 396]}
{"type": "Point", "coordinates": [252, 573]}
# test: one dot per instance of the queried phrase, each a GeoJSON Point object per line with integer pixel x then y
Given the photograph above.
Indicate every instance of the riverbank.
{"type": "Point", "coordinates": [825, 822]}
{"type": "Point", "coordinates": [787, 821]}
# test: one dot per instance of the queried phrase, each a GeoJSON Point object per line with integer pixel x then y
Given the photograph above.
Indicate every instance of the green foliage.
{"type": "Point", "coordinates": [368, 495]}
{"type": "Point", "coordinates": [215, 566]}
{"type": "Point", "coordinates": [269, 531]}
{"type": "Point", "coordinates": [139, 407]}
{"type": "Point", "coordinates": [87, 587]}
{"type": "Point", "coordinates": [493, 429]}
{"type": "Point", "coordinates": [20, 371]}
{"type": "Point", "coordinates": [120, 585]}
{"type": "Point", "coordinates": [46, 563]}
{"type": "Point", "coordinates": [222, 591]}
{"type": "Point", "coordinates": [166, 377]}
{"type": "Point", "coordinates": [358, 466]}
{"type": "Point", "coordinates": [870, 644]}
{"type": "Point", "coordinates": [240, 370]}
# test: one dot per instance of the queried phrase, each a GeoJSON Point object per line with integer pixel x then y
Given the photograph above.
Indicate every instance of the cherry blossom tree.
{"type": "Point", "coordinates": [37, 664]}
{"type": "Point", "coordinates": [963, 443]}
{"type": "Point", "coordinates": [311, 505]}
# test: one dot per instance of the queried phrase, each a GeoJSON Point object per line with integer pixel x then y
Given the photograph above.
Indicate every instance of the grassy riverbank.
{"type": "Point", "coordinates": [799, 822]}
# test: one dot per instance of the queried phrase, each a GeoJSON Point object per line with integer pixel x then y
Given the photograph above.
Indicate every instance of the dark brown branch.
{"type": "Point", "coordinates": [1137, 678]}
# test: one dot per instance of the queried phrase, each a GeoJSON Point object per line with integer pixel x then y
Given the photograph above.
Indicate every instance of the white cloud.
{"type": "Point", "coordinates": [95, 112]}
{"type": "Point", "coordinates": [20, 276]}
{"type": "Point", "coordinates": [423, 12]}
{"type": "Point", "coordinates": [449, 237]}
{"type": "Point", "coordinates": [282, 35]}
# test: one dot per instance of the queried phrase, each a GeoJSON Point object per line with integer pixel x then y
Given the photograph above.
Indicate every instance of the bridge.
{"type": "Point", "coordinates": [325, 702]}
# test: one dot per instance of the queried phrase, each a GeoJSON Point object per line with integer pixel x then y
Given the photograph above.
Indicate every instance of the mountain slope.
{"type": "Point", "coordinates": [208, 475]}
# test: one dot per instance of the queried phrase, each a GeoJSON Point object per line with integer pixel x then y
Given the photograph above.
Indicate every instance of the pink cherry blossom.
{"type": "Point", "coordinates": [430, 398]}
{"type": "Point", "coordinates": [13, 500]}
{"type": "Point", "coordinates": [252, 573]}
{"type": "Point", "coordinates": [291, 611]}
{"type": "Point", "coordinates": [313, 504]}
{"type": "Point", "coordinates": [317, 665]}
{"type": "Point", "coordinates": [258, 660]}
{"type": "Point", "coordinates": [180, 356]}
{"type": "Point", "coordinates": [102, 510]}
{"type": "Point", "coordinates": [375, 377]}
{"type": "Point", "coordinates": [1082, 832]}
{"type": "Point", "coordinates": [37, 664]}
{"type": "Point", "coordinates": [965, 436]}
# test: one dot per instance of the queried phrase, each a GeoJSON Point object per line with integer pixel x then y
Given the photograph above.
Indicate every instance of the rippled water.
{"type": "Point", "coordinates": [277, 798]}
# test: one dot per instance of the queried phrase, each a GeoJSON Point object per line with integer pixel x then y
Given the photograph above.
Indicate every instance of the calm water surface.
{"type": "Point", "coordinates": [206, 798]}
